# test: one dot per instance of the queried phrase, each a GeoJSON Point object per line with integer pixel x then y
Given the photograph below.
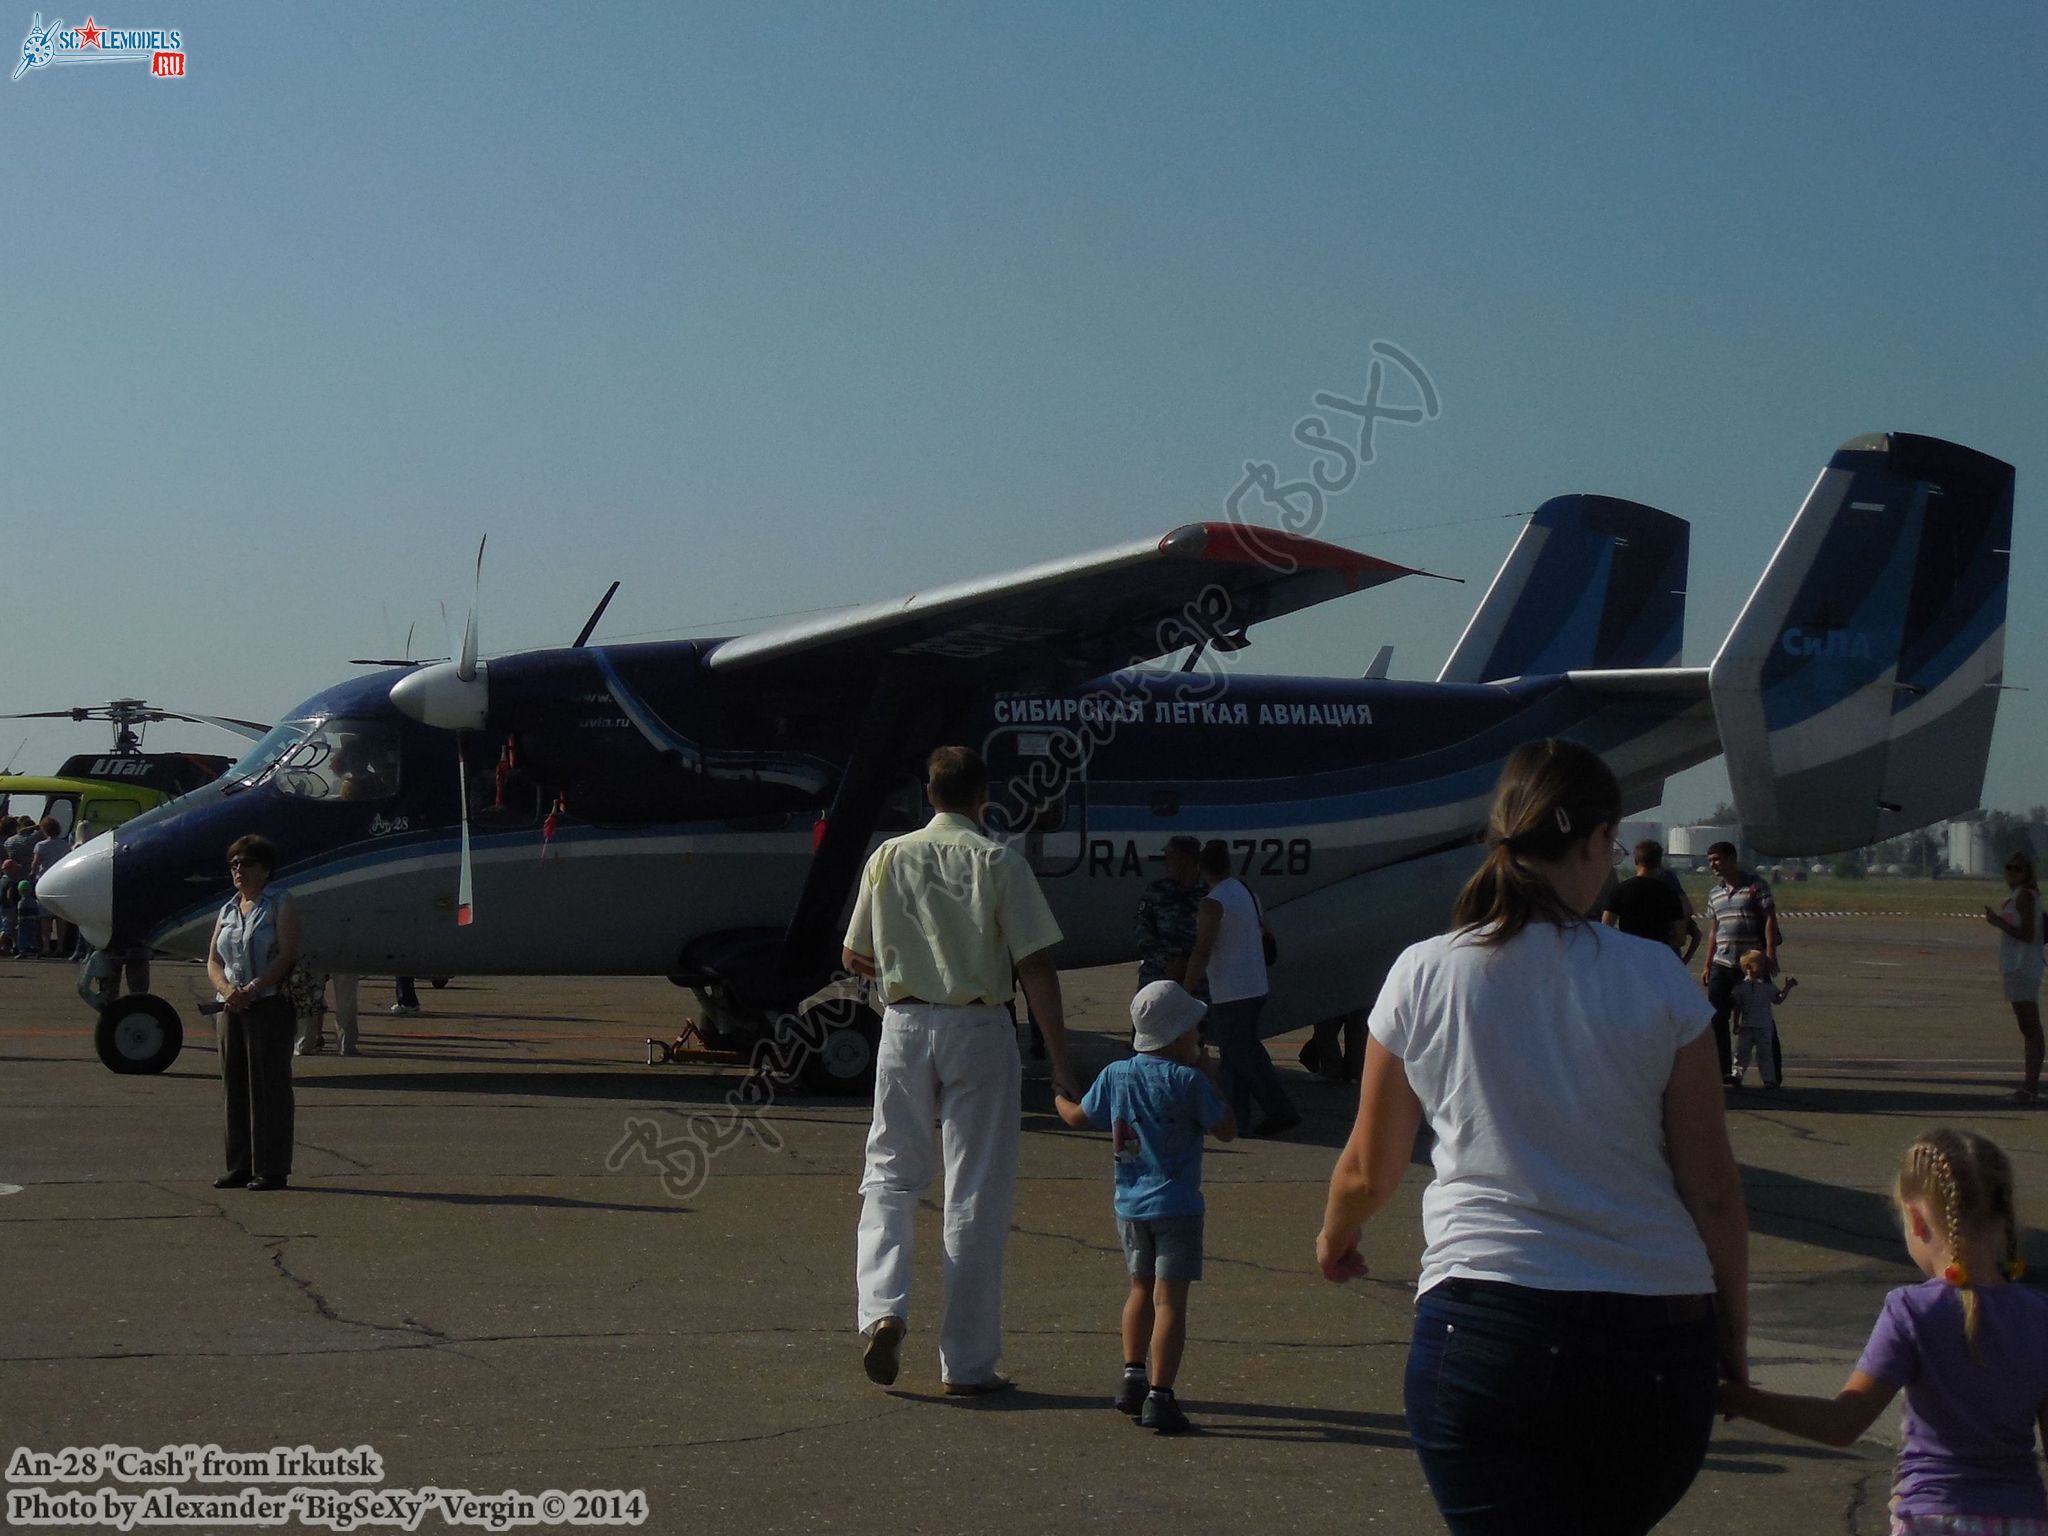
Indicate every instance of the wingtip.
{"type": "Point", "coordinates": [1247, 544]}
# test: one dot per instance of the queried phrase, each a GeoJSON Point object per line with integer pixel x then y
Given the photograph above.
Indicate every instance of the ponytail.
{"type": "Point", "coordinates": [1551, 794]}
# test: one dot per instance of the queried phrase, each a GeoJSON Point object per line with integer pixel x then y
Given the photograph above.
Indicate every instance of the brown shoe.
{"type": "Point", "coordinates": [979, 1388]}
{"type": "Point", "coordinates": [885, 1344]}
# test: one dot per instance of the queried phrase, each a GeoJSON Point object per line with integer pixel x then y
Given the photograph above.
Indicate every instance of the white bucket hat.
{"type": "Point", "coordinates": [1162, 1012]}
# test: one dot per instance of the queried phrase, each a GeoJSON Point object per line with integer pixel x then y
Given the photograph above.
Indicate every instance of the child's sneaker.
{"type": "Point", "coordinates": [1130, 1397]}
{"type": "Point", "coordinates": [1162, 1414]}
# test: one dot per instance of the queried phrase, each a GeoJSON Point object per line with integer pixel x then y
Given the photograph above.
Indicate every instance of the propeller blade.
{"type": "Point", "coordinates": [465, 906]}
{"type": "Point", "coordinates": [595, 614]}
{"type": "Point", "coordinates": [466, 668]}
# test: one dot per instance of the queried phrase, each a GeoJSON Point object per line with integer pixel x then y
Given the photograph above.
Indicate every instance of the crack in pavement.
{"type": "Point", "coordinates": [407, 1326]}
{"type": "Point", "coordinates": [314, 1146]}
{"type": "Point", "coordinates": [1859, 1495]}
{"type": "Point", "coordinates": [173, 1216]}
{"type": "Point", "coordinates": [794, 1429]}
{"type": "Point", "coordinates": [426, 1338]}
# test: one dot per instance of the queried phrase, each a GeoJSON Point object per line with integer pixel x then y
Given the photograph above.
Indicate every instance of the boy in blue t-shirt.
{"type": "Point", "coordinates": [1157, 1106]}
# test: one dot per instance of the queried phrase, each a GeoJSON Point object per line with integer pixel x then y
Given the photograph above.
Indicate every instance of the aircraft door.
{"type": "Point", "coordinates": [103, 814]}
{"type": "Point", "coordinates": [1038, 794]}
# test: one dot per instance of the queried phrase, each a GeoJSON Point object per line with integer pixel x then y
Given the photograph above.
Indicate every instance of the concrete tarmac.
{"type": "Point", "coordinates": [513, 1257]}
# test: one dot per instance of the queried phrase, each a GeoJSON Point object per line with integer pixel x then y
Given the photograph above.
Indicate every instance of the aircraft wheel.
{"type": "Point", "coordinates": [138, 1034]}
{"type": "Point", "coordinates": [844, 1062]}
{"type": "Point", "coordinates": [438, 982]}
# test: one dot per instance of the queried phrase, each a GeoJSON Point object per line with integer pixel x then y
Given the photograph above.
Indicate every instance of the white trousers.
{"type": "Point", "coordinates": [344, 1015]}
{"type": "Point", "coordinates": [958, 1067]}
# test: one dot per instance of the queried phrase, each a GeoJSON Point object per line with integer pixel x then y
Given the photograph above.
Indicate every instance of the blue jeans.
{"type": "Point", "coordinates": [1248, 1072]}
{"type": "Point", "coordinates": [1559, 1413]}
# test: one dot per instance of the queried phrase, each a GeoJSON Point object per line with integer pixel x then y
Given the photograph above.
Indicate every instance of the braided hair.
{"type": "Point", "coordinates": [1968, 1182]}
{"type": "Point", "coordinates": [1551, 794]}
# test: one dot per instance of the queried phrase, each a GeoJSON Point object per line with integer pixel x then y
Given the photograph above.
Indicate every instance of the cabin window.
{"type": "Point", "coordinates": [341, 759]}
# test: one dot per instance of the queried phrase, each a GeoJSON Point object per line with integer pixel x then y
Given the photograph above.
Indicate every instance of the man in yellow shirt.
{"type": "Point", "coordinates": [942, 920]}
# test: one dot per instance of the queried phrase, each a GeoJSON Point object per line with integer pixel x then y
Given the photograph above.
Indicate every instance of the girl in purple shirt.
{"type": "Point", "coordinates": [1969, 1348]}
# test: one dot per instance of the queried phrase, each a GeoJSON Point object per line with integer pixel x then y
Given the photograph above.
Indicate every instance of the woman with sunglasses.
{"type": "Point", "coordinates": [2020, 962]}
{"type": "Point", "coordinates": [255, 945]}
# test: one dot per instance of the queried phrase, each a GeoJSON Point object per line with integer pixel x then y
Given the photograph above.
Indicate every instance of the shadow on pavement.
{"type": "Point", "coordinates": [1760, 1458]}
{"type": "Point", "coordinates": [1884, 1096]}
{"type": "Point", "coordinates": [536, 1080]}
{"type": "Point", "coordinates": [1304, 1426]}
{"type": "Point", "coordinates": [1854, 1221]}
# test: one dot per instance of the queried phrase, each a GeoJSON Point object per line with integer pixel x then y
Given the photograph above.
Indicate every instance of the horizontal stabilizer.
{"type": "Point", "coordinates": [1856, 694]}
{"type": "Point", "coordinates": [1593, 581]}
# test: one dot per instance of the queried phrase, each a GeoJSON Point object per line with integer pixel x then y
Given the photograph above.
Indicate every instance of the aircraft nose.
{"type": "Point", "coordinates": [80, 889]}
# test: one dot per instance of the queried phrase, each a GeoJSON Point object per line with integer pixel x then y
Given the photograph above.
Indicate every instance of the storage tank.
{"type": "Point", "coordinates": [1693, 842]}
{"type": "Point", "coordinates": [1969, 850]}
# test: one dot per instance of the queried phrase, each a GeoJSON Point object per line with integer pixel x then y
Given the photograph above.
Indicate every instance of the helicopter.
{"type": "Point", "coordinates": [700, 809]}
{"type": "Point", "coordinates": [94, 792]}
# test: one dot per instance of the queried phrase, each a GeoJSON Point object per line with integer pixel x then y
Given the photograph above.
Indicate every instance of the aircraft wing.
{"type": "Point", "coordinates": [1078, 617]}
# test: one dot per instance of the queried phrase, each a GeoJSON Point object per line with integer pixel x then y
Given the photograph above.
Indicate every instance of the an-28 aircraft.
{"type": "Point", "coordinates": [700, 809]}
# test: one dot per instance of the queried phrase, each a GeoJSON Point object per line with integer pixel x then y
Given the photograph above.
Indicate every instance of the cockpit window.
{"type": "Point", "coordinates": [342, 759]}
{"type": "Point", "coordinates": [262, 757]}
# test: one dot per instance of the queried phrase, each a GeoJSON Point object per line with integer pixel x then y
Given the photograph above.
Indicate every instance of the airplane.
{"type": "Point", "coordinates": [92, 792]}
{"type": "Point", "coordinates": [700, 809]}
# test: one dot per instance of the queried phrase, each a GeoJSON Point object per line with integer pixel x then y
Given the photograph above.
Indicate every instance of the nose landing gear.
{"type": "Point", "coordinates": [138, 1034]}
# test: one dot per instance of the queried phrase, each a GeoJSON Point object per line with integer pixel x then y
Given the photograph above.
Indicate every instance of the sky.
{"type": "Point", "coordinates": [762, 309]}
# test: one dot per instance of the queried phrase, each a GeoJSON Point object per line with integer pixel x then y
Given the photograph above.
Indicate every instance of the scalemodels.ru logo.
{"type": "Point", "coordinates": [161, 48]}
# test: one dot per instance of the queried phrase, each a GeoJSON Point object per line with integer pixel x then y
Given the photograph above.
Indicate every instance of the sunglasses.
{"type": "Point", "coordinates": [245, 863]}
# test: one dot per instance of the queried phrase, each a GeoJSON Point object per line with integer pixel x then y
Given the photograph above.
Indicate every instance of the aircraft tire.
{"type": "Point", "coordinates": [438, 982]}
{"type": "Point", "coordinates": [138, 1035]}
{"type": "Point", "coordinates": [844, 1062]}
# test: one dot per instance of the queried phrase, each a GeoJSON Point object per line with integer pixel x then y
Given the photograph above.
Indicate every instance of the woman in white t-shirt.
{"type": "Point", "coordinates": [1585, 1274]}
{"type": "Point", "coordinates": [2019, 962]}
{"type": "Point", "coordinates": [1230, 956]}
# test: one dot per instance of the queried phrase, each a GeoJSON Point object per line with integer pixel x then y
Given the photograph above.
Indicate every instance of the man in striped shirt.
{"type": "Point", "coordinates": [1741, 915]}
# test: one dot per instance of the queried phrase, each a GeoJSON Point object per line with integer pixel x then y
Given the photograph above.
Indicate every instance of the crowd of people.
{"type": "Point", "coordinates": [28, 848]}
{"type": "Point", "coordinates": [1582, 1306]}
{"type": "Point", "coordinates": [1582, 1309]}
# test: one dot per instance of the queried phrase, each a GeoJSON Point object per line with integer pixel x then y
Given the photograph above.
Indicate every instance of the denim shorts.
{"type": "Point", "coordinates": [1169, 1248]}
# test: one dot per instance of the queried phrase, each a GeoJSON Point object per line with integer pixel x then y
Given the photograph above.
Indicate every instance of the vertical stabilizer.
{"type": "Point", "coordinates": [1856, 694]}
{"type": "Point", "coordinates": [1593, 582]}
